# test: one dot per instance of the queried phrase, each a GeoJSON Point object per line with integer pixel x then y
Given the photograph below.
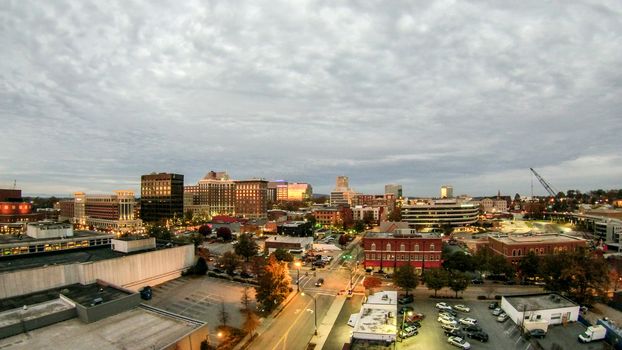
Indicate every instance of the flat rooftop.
{"type": "Point", "coordinates": [537, 238]}
{"type": "Point", "coordinates": [377, 320]}
{"type": "Point", "coordinates": [84, 295]}
{"type": "Point", "coordinates": [539, 302]}
{"type": "Point", "coordinates": [16, 315]}
{"type": "Point", "coordinates": [11, 238]}
{"type": "Point", "coordinates": [386, 298]}
{"type": "Point", "coordinates": [58, 258]}
{"type": "Point", "coordinates": [288, 239]}
{"type": "Point", "coordinates": [134, 329]}
{"type": "Point", "coordinates": [401, 235]}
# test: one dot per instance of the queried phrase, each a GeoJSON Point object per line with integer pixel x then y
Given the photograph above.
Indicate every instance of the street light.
{"type": "Point", "coordinates": [297, 264]}
{"type": "Point", "coordinates": [314, 311]}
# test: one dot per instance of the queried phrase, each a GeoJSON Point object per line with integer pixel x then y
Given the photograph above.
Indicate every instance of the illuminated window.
{"type": "Point", "coordinates": [388, 246]}
{"type": "Point", "coordinates": [373, 246]}
{"type": "Point", "coordinates": [402, 247]}
{"type": "Point", "coordinates": [416, 247]}
{"type": "Point", "coordinates": [432, 246]}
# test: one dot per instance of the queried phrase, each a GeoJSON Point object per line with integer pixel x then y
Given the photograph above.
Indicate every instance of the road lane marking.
{"type": "Point", "coordinates": [290, 327]}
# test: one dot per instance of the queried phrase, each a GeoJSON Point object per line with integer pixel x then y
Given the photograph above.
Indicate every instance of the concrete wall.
{"type": "Point", "coordinates": [132, 272]}
{"type": "Point", "coordinates": [39, 322]}
{"type": "Point", "coordinates": [88, 314]}
{"type": "Point", "coordinates": [192, 340]}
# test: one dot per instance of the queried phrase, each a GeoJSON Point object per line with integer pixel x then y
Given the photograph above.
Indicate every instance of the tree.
{"type": "Point", "coordinates": [459, 261]}
{"type": "Point", "coordinates": [159, 232]}
{"type": "Point", "coordinates": [246, 246]}
{"type": "Point", "coordinates": [406, 278]}
{"type": "Point", "coordinates": [529, 265]}
{"type": "Point", "coordinates": [371, 282]}
{"type": "Point", "coordinates": [257, 264]}
{"type": "Point", "coordinates": [368, 218]}
{"type": "Point", "coordinates": [436, 279]}
{"type": "Point", "coordinates": [188, 216]}
{"type": "Point", "coordinates": [223, 315]}
{"type": "Point", "coordinates": [246, 300]}
{"type": "Point", "coordinates": [395, 215]}
{"type": "Point", "coordinates": [201, 267]}
{"type": "Point", "coordinates": [343, 240]}
{"type": "Point", "coordinates": [224, 233]}
{"type": "Point", "coordinates": [283, 255]}
{"type": "Point", "coordinates": [197, 239]}
{"type": "Point", "coordinates": [230, 262]}
{"type": "Point", "coordinates": [458, 282]}
{"type": "Point", "coordinates": [205, 230]}
{"type": "Point", "coordinates": [500, 266]}
{"type": "Point", "coordinates": [251, 322]}
{"type": "Point", "coordinates": [359, 226]}
{"type": "Point", "coordinates": [273, 284]}
{"type": "Point", "coordinates": [310, 218]}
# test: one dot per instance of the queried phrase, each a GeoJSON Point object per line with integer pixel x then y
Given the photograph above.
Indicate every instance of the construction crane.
{"type": "Point", "coordinates": [544, 183]}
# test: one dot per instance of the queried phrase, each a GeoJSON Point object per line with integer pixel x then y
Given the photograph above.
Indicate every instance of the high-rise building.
{"type": "Point", "coordinates": [251, 198]}
{"type": "Point", "coordinates": [343, 181]}
{"type": "Point", "coordinates": [342, 194]}
{"type": "Point", "coordinates": [162, 196]}
{"type": "Point", "coordinates": [394, 189]}
{"type": "Point", "coordinates": [299, 191]}
{"type": "Point", "coordinates": [217, 191]}
{"type": "Point", "coordinates": [447, 191]}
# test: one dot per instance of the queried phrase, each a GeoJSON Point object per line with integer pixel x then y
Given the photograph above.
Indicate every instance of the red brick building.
{"type": "Point", "coordinates": [515, 247]}
{"type": "Point", "coordinates": [13, 209]}
{"type": "Point", "coordinates": [387, 251]}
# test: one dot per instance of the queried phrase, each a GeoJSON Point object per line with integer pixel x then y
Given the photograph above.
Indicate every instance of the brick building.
{"type": "Point", "coordinates": [387, 251]}
{"type": "Point", "coordinates": [251, 198]}
{"type": "Point", "coordinates": [13, 209]}
{"type": "Point", "coordinates": [515, 247]}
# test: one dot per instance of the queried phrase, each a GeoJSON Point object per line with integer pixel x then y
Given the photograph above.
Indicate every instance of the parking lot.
{"type": "Point", "coordinates": [501, 335]}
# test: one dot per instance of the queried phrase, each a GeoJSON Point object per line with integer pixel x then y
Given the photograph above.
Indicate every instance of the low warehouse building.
{"type": "Point", "coordinates": [539, 310]}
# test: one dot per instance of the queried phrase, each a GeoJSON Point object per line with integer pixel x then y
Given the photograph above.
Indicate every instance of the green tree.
{"type": "Point", "coordinates": [501, 266]}
{"type": "Point", "coordinates": [406, 278]}
{"type": "Point", "coordinates": [395, 215]}
{"type": "Point", "coordinates": [436, 279]}
{"type": "Point", "coordinates": [273, 284]}
{"type": "Point", "coordinates": [529, 265]}
{"type": "Point", "coordinates": [283, 255]}
{"type": "Point", "coordinates": [246, 247]}
{"type": "Point", "coordinates": [230, 262]}
{"type": "Point", "coordinates": [159, 232]}
{"type": "Point", "coordinates": [359, 226]}
{"type": "Point", "coordinates": [368, 218]}
{"type": "Point", "coordinates": [459, 261]}
{"type": "Point", "coordinates": [458, 282]}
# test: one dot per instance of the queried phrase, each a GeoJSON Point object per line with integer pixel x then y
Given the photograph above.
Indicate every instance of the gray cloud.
{"type": "Point", "coordinates": [92, 95]}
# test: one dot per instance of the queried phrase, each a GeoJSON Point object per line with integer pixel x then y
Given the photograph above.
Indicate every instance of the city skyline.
{"type": "Point", "coordinates": [472, 95]}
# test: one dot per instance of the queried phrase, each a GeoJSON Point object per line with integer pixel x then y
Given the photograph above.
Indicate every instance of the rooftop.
{"type": "Point", "coordinates": [400, 235]}
{"type": "Point", "coordinates": [537, 238]}
{"type": "Point", "coordinates": [85, 294]}
{"type": "Point", "coordinates": [532, 302]}
{"type": "Point", "coordinates": [18, 314]}
{"type": "Point", "coordinates": [375, 320]}
{"type": "Point", "coordinates": [11, 238]}
{"type": "Point", "coordinates": [134, 329]}
{"type": "Point", "coordinates": [386, 298]}
{"type": "Point", "coordinates": [289, 239]}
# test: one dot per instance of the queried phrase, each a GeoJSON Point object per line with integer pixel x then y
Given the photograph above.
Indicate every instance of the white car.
{"type": "Point", "coordinates": [459, 342]}
{"type": "Point", "coordinates": [502, 317]}
{"type": "Point", "coordinates": [497, 311]}
{"type": "Point", "coordinates": [468, 321]}
{"type": "Point", "coordinates": [445, 317]}
{"type": "Point", "coordinates": [443, 306]}
{"type": "Point", "coordinates": [462, 308]}
{"type": "Point", "coordinates": [445, 321]}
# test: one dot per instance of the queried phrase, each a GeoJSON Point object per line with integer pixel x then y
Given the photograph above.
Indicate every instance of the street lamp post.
{"type": "Point", "coordinates": [314, 311]}
{"type": "Point", "coordinates": [297, 264]}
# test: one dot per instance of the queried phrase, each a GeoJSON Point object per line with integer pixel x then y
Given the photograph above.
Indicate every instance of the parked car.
{"type": "Point", "coordinates": [497, 311]}
{"type": "Point", "coordinates": [319, 263]}
{"type": "Point", "coordinates": [445, 317]}
{"type": "Point", "coordinates": [414, 324]}
{"type": "Point", "coordinates": [537, 333]}
{"type": "Point", "coordinates": [493, 305]}
{"type": "Point", "coordinates": [405, 309]}
{"type": "Point", "coordinates": [146, 293]}
{"type": "Point", "coordinates": [462, 308]}
{"type": "Point", "coordinates": [447, 321]}
{"type": "Point", "coordinates": [319, 282]}
{"type": "Point", "coordinates": [449, 312]}
{"type": "Point", "coordinates": [455, 333]}
{"type": "Point", "coordinates": [503, 317]}
{"type": "Point", "coordinates": [408, 332]}
{"type": "Point", "coordinates": [245, 274]}
{"type": "Point", "coordinates": [406, 299]}
{"type": "Point", "coordinates": [472, 328]}
{"type": "Point", "coordinates": [415, 317]}
{"type": "Point", "coordinates": [481, 336]}
{"type": "Point", "coordinates": [477, 281]}
{"type": "Point", "coordinates": [443, 306]}
{"type": "Point", "coordinates": [468, 321]}
{"type": "Point", "coordinates": [450, 327]}
{"type": "Point", "coordinates": [459, 342]}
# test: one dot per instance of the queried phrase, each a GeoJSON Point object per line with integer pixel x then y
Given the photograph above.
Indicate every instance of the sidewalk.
{"type": "Point", "coordinates": [324, 328]}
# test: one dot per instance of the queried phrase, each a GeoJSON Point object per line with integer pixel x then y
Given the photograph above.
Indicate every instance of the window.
{"type": "Point", "coordinates": [416, 247]}
{"type": "Point", "coordinates": [402, 247]}
{"type": "Point", "coordinates": [388, 246]}
{"type": "Point", "coordinates": [432, 247]}
{"type": "Point", "coordinates": [373, 246]}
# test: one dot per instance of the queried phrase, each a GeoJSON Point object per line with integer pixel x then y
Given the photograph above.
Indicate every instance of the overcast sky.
{"type": "Point", "coordinates": [421, 93]}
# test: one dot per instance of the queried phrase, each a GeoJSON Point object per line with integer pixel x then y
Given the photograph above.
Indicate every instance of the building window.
{"type": "Point", "coordinates": [388, 246]}
{"type": "Point", "coordinates": [373, 246]}
{"type": "Point", "coordinates": [432, 247]}
{"type": "Point", "coordinates": [402, 247]}
{"type": "Point", "coordinates": [416, 247]}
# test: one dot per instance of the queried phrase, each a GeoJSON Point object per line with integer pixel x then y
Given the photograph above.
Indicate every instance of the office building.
{"type": "Point", "coordinates": [114, 212]}
{"type": "Point", "coordinates": [251, 198]}
{"type": "Point", "coordinates": [447, 191]}
{"type": "Point", "coordinates": [516, 247]}
{"type": "Point", "coordinates": [162, 197]}
{"type": "Point", "coordinates": [388, 251]}
{"type": "Point", "coordinates": [213, 195]}
{"type": "Point", "coordinates": [394, 189]}
{"type": "Point", "coordinates": [342, 194]}
{"type": "Point", "coordinates": [439, 213]}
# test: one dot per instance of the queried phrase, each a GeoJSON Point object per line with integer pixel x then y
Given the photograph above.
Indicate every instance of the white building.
{"type": "Point", "coordinates": [377, 320]}
{"type": "Point", "coordinates": [539, 310]}
{"type": "Point", "coordinates": [359, 212]}
{"type": "Point", "coordinates": [44, 229]}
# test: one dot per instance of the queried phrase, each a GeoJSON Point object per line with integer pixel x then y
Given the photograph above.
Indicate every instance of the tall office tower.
{"type": "Point", "coordinates": [394, 189]}
{"type": "Point", "coordinates": [299, 191]}
{"type": "Point", "coordinates": [162, 196]}
{"type": "Point", "coordinates": [447, 191]}
{"type": "Point", "coordinates": [217, 191]}
{"type": "Point", "coordinates": [342, 194]}
{"type": "Point", "coordinates": [251, 198]}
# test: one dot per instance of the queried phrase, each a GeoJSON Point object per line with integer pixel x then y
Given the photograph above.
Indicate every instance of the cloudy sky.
{"type": "Point", "coordinates": [421, 93]}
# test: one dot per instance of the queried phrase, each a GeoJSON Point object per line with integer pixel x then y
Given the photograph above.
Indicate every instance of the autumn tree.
{"type": "Point", "coordinates": [273, 284]}
{"type": "Point", "coordinates": [406, 278]}
{"type": "Point", "coordinates": [205, 230]}
{"type": "Point", "coordinates": [251, 322]}
{"type": "Point", "coordinates": [436, 279]}
{"type": "Point", "coordinates": [246, 247]}
{"type": "Point", "coordinates": [371, 283]}
{"type": "Point", "coordinates": [224, 233]}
